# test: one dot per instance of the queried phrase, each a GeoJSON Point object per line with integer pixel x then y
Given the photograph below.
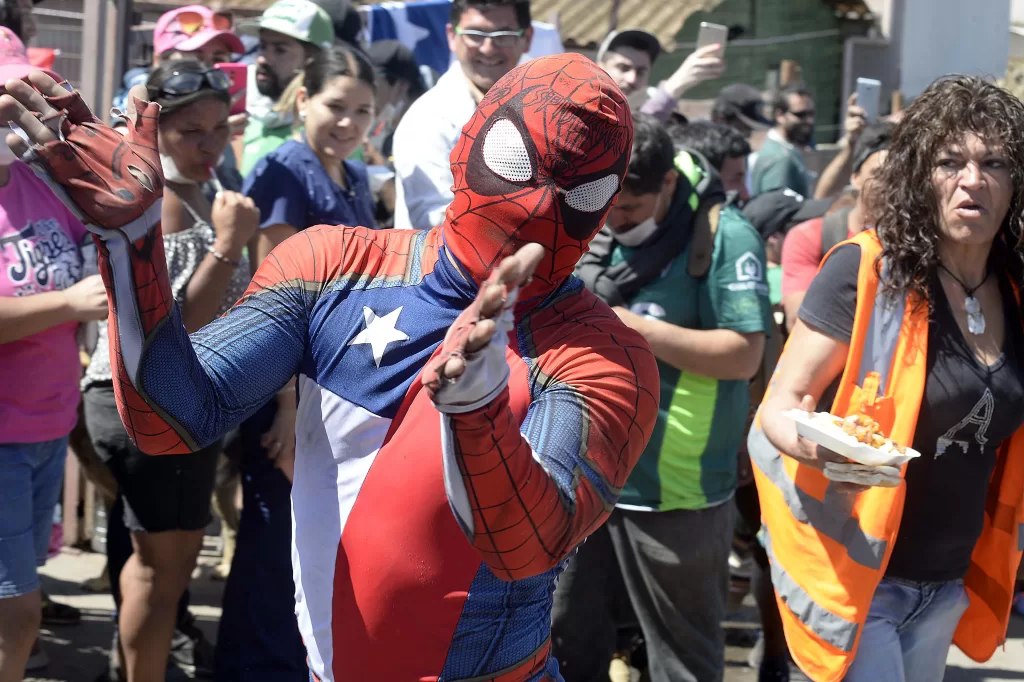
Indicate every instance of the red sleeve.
{"type": "Point", "coordinates": [801, 257]}
{"type": "Point", "coordinates": [536, 490]}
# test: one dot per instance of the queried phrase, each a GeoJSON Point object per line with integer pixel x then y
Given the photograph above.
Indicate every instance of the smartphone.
{"type": "Point", "coordinates": [712, 34]}
{"type": "Point", "coordinates": [869, 93]}
{"type": "Point", "coordinates": [239, 75]}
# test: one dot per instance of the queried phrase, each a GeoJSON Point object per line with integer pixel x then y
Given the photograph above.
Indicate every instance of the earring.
{"type": "Point", "coordinates": [302, 115]}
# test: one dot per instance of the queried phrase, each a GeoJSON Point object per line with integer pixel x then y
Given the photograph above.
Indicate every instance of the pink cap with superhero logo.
{"type": "Point", "coordinates": [189, 28]}
{"type": "Point", "coordinates": [14, 59]}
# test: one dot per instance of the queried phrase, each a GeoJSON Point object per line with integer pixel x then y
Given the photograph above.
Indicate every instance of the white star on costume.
{"type": "Point", "coordinates": [379, 332]}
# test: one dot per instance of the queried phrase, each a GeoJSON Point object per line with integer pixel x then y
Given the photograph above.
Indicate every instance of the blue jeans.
{"type": "Point", "coordinates": [30, 482]}
{"type": "Point", "coordinates": [908, 632]}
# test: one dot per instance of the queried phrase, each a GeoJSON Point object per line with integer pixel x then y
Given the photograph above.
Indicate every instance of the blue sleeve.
{"type": "Point", "coordinates": [278, 193]}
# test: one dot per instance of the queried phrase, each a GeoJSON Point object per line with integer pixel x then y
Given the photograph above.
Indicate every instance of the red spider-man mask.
{"type": "Point", "coordinates": [542, 160]}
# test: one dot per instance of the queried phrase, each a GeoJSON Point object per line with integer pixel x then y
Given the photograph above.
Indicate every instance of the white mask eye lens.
{"type": "Point", "coordinates": [505, 152]}
{"type": "Point", "coordinates": [594, 195]}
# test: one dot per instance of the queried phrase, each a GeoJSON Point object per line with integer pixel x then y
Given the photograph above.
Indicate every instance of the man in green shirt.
{"type": "Point", "coordinates": [780, 163]}
{"type": "Point", "coordinates": [670, 535]}
{"type": "Point", "coordinates": [290, 32]}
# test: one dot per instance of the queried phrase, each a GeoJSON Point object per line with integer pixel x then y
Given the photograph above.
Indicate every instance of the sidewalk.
{"type": "Point", "coordinates": [79, 653]}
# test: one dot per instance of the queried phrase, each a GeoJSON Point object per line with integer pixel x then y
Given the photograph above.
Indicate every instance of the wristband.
{"type": "Point", "coordinates": [224, 259]}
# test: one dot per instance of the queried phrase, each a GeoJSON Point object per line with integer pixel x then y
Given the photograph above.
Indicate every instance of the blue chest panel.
{"type": "Point", "coordinates": [399, 325]}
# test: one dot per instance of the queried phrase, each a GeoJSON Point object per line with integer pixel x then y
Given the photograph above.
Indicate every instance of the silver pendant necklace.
{"type": "Point", "coordinates": [975, 318]}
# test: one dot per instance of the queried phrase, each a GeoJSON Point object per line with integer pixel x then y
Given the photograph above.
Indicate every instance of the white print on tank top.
{"type": "Point", "coordinates": [980, 416]}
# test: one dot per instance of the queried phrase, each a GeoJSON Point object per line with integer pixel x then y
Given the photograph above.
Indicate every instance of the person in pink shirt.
{"type": "Point", "coordinates": [43, 299]}
{"type": "Point", "coordinates": [807, 243]}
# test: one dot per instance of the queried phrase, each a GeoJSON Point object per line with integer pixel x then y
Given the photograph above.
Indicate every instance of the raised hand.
{"type": "Point", "coordinates": [471, 369]}
{"type": "Point", "coordinates": [111, 181]}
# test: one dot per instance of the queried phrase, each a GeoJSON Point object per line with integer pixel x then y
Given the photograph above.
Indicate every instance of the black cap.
{"type": "Point", "coordinates": [743, 102]}
{"type": "Point", "coordinates": [345, 19]}
{"type": "Point", "coordinates": [782, 209]}
{"type": "Point", "coordinates": [631, 37]}
{"type": "Point", "coordinates": [873, 139]}
{"type": "Point", "coordinates": [395, 61]}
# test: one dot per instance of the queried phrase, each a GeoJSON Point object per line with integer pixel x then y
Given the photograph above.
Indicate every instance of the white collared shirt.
{"type": "Point", "coordinates": [422, 145]}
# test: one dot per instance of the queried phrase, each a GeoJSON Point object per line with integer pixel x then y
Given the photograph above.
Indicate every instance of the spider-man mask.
{"type": "Point", "coordinates": [542, 160]}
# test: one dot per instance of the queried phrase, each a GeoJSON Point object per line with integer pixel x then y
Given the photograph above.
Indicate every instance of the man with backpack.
{"type": "Point", "coordinates": [687, 271]}
{"type": "Point", "coordinates": [806, 244]}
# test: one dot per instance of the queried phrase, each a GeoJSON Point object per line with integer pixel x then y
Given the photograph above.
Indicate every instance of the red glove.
{"type": "Point", "coordinates": [111, 179]}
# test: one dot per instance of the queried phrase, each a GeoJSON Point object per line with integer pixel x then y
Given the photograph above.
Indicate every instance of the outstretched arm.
{"type": "Point", "coordinates": [172, 397]}
{"type": "Point", "coordinates": [527, 496]}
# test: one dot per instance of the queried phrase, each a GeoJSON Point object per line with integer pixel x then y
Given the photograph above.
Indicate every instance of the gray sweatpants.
{"type": "Point", "coordinates": [674, 568]}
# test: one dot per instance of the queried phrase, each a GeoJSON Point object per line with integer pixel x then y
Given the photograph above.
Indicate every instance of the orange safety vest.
{"type": "Point", "coordinates": [829, 550]}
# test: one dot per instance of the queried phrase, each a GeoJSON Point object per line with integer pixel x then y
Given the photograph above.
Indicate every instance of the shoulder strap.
{"type": "Point", "coordinates": [702, 244]}
{"type": "Point", "coordinates": [834, 229]}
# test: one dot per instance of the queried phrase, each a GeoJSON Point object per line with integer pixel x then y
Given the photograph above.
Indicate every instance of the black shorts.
{"type": "Point", "coordinates": [161, 493]}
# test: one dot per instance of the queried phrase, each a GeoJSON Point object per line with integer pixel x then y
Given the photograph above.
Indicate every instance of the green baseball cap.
{"type": "Point", "coordinates": [299, 19]}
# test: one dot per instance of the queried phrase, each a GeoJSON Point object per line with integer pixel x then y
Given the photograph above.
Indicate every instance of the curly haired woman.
{"type": "Point", "coordinates": [917, 324]}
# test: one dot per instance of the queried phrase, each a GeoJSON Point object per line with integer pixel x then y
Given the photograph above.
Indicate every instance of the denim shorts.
{"type": "Point", "coordinates": [30, 483]}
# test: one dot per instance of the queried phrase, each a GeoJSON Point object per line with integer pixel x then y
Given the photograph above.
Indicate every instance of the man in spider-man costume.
{"type": "Point", "coordinates": [462, 427]}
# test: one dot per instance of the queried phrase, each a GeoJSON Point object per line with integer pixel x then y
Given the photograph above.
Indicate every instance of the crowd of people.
{"type": "Point", "coordinates": [441, 451]}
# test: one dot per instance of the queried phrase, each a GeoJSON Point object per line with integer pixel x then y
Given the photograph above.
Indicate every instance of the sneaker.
{"type": "Point", "coordinates": [38, 658]}
{"type": "Point", "coordinates": [191, 652]}
{"type": "Point", "coordinates": [756, 655]}
{"type": "Point", "coordinates": [55, 613]}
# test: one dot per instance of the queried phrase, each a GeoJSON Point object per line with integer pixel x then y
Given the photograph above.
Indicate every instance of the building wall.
{"type": "Point", "coordinates": [773, 30]}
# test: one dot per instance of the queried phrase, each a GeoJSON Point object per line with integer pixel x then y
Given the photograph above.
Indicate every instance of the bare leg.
{"type": "Point", "coordinates": [152, 582]}
{"type": "Point", "coordinates": [19, 627]}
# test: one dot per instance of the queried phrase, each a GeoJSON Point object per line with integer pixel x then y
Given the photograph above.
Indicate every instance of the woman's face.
{"type": "Point", "coordinates": [196, 137]}
{"type": "Point", "coordinates": [337, 118]}
{"type": "Point", "coordinates": [973, 189]}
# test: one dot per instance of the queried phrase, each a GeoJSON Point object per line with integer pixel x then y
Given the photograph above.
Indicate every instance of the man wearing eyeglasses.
{"type": "Point", "coordinates": [780, 163]}
{"type": "Point", "coordinates": [487, 38]}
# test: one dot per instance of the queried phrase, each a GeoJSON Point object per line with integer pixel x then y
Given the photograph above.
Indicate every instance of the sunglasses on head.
{"type": "Point", "coordinates": [191, 23]}
{"type": "Point", "coordinates": [182, 83]}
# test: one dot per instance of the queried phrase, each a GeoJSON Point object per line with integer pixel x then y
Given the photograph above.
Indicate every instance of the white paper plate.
{"type": "Point", "coordinates": [835, 440]}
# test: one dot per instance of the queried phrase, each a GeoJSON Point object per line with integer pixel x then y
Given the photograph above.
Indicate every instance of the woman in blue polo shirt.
{"type": "Point", "coordinates": [309, 180]}
{"type": "Point", "coordinates": [306, 181]}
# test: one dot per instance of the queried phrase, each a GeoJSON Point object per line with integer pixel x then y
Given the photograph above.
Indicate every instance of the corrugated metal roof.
{"type": "Point", "coordinates": [582, 23]}
{"type": "Point", "coordinates": [585, 23]}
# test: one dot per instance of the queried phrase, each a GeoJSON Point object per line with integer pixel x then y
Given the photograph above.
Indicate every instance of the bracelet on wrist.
{"type": "Point", "coordinates": [224, 259]}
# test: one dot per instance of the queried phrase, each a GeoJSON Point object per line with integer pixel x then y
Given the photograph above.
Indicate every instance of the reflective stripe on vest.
{"type": "Point", "coordinates": [834, 629]}
{"type": "Point", "coordinates": [883, 335]}
{"type": "Point", "coordinates": [831, 516]}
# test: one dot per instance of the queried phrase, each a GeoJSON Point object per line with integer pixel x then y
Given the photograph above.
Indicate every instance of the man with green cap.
{"type": "Point", "coordinates": [290, 32]}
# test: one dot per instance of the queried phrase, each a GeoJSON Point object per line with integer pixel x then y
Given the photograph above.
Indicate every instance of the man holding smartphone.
{"type": "Point", "coordinates": [628, 57]}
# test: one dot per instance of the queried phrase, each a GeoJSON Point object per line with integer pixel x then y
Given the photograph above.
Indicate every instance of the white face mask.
{"type": "Point", "coordinates": [171, 172]}
{"type": "Point", "coordinates": [642, 231]}
{"type": "Point", "coordinates": [7, 157]}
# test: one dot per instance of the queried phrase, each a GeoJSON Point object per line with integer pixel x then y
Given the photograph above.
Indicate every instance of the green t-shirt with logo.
{"type": "Point", "coordinates": [690, 461]}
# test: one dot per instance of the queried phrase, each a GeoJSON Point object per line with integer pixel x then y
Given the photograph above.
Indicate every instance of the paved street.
{"type": "Point", "coordinates": [78, 654]}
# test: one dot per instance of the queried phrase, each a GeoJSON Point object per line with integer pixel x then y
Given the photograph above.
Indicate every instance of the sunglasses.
{"type": "Point", "coordinates": [182, 83]}
{"type": "Point", "coordinates": [502, 39]}
{"type": "Point", "coordinates": [191, 23]}
{"type": "Point", "coordinates": [803, 115]}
